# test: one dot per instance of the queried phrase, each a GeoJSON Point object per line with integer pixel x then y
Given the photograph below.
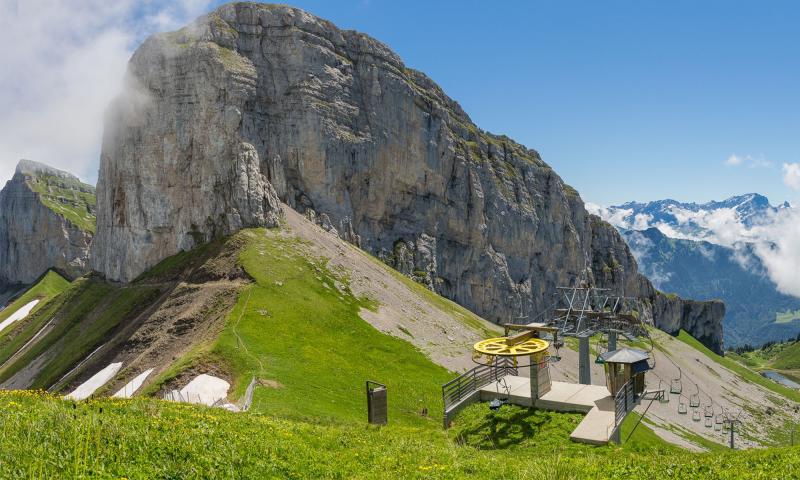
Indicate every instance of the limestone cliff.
{"type": "Point", "coordinates": [46, 221]}
{"type": "Point", "coordinates": [254, 103]}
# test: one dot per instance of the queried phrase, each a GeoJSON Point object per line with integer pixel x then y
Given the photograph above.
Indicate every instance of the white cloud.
{"type": "Point", "coordinates": [735, 160]}
{"type": "Point", "coordinates": [774, 239]}
{"type": "Point", "coordinates": [791, 175]}
{"type": "Point", "coordinates": [62, 63]}
{"type": "Point", "coordinates": [780, 251]}
{"type": "Point", "coordinates": [641, 221]}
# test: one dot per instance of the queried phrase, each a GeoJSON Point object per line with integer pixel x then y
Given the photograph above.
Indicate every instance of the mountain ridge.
{"type": "Point", "coordinates": [287, 107]}
{"type": "Point", "coordinates": [46, 221]}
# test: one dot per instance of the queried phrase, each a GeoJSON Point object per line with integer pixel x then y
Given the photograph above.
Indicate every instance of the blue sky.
{"type": "Point", "coordinates": [634, 100]}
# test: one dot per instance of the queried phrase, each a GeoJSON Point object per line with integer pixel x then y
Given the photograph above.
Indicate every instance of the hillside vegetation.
{"type": "Point", "coordinates": [68, 197]}
{"type": "Point", "coordinates": [47, 437]}
{"type": "Point", "coordinates": [296, 325]}
{"type": "Point", "coordinates": [781, 356]}
{"type": "Point", "coordinates": [48, 286]}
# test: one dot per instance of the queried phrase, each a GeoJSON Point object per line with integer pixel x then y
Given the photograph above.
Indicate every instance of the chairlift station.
{"type": "Point", "coordinates": [580, 312]}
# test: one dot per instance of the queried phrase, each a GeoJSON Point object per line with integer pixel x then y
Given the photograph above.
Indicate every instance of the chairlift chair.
{"type": "Point", "coordinates": [709, 411]}
{"type": "Point", "coordinates": [709, 423]}
{"type": "Point", "coordinates": [599, 360]}
{"type": "Point", "coordinates": [676, 386]}
{"type": "Point", "coordinates": [717, 427]}
{"type": "Point", "coordinates": [682, 407]}
{"type": "Point", "coordinates": [664, 395]}
{"type": "Point", "coordinates": [694, 399]}
{"type": "Point", "coordinates": [696, 415]}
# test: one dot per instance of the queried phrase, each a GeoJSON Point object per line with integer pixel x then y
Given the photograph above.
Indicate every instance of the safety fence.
{"type": "Point", "coordinates": [624, 402]}
{"type": "Point", "coordinates": [463, 390]}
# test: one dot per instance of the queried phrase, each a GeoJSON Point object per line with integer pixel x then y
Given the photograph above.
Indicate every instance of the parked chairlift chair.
{"type": "Point", "coordinates": [682, 406]}
{"type": "Point", "coordinates": [709, 411]}
{"type": "Point", "coordinates": [709, 423]}
{"type": "Point", "coordinates": [664, 394]}
{"type": "Point", "coordinates": [676, 386]}
{"type": "Point", "coordinates": [717, 427]}
{"type": "Point", "coordinates": [598, 360]}
{"type": "Point", "coordinates": [694, 399]}
{"type": "Point", "coordinates": [696, 415]}
{"type": "Point", "coordinates": [557, 344]}
{"type": "Point", "coordinates": [496, 403]}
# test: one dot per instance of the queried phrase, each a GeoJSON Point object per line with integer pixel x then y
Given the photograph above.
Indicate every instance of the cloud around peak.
{"type": "Point", "coordinates": [63, 62]}
{"type": "Point", "coordinates": [791, 175]}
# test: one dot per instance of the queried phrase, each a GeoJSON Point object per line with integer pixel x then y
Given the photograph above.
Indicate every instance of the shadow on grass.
{"type": "Point", "coordinates": [508, 426]}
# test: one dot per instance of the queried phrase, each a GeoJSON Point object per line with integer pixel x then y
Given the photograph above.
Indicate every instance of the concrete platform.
{"type": "Point", "coordinates": [596, 427]}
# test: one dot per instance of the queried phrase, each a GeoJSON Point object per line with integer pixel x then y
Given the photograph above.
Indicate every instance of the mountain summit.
{"type": "Point", "coordinates": [255, 104]}
{"type": "Point", "coordinates": [689, 219]}
{"type": "Point", "coordinates": [47, 219]}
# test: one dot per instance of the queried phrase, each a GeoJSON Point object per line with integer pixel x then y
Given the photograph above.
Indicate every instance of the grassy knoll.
{"type": "Point", "coordinates": [46, 437]}
{"type": "Point", "coordinates": [739, 369]}
{"type": "Point", "coordinates": [67, 197]}
{"type": "Point", "coordinates": [788, 358]}
{"type": "Point", "coordinates": [50, 285]}
{"type": "Point", "coordinates": [298, 328]}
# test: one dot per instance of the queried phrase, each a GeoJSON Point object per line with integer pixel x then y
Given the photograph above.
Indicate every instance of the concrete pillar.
{"type": "Point", "coordinates": [540, 379]}
{"type": "Point", "coordinates": [584, 362]}
{"type": "Point", "coordinates": [612, 341]}
{"type": "Point", "coordinates": [534, 381]}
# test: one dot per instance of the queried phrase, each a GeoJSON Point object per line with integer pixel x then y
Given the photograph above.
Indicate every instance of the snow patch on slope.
{"type": "Point", "coordinates": [23, 312]}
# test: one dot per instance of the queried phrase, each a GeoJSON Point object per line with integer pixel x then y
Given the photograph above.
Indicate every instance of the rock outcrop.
{"type": "Point", "coordinates": [254, 103]}
{"type": "Point", "coordinates": [46, 221]}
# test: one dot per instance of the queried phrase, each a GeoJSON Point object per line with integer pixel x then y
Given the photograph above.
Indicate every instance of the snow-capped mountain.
{"type": "Point", "coordinates": [737, 219]}
{"type": "Point", "coordinates": [742, 250]}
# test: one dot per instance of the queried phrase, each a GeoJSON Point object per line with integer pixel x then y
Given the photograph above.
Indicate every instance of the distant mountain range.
{"type": "Point", "coordinates": [715, 250]}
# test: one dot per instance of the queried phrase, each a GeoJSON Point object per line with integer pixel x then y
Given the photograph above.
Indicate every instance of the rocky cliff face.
{"type": "Point", "coordinates": [46, 221]}
{"type": "Point", "coordinates": [255, 103]}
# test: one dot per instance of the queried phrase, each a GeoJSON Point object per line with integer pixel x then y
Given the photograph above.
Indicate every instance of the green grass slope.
{"type": "Point", "coordinates": [48, 286]}
{"type": "Point", "coordinates": [82, 315]}
{"type": "Point", "coordinates": [297, 328]}
{"type": "Point", "coordinates": [68, 197]}
{"type": "Point", "coordinates": [45, 437]}
{"type": "Point", "coordinates": [782, 356]}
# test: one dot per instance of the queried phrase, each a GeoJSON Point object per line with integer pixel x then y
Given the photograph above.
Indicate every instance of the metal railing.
{"type": "Point", "coordinates": [458, 391]}
{"type": "Point", "coordinates": [624, 402]}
